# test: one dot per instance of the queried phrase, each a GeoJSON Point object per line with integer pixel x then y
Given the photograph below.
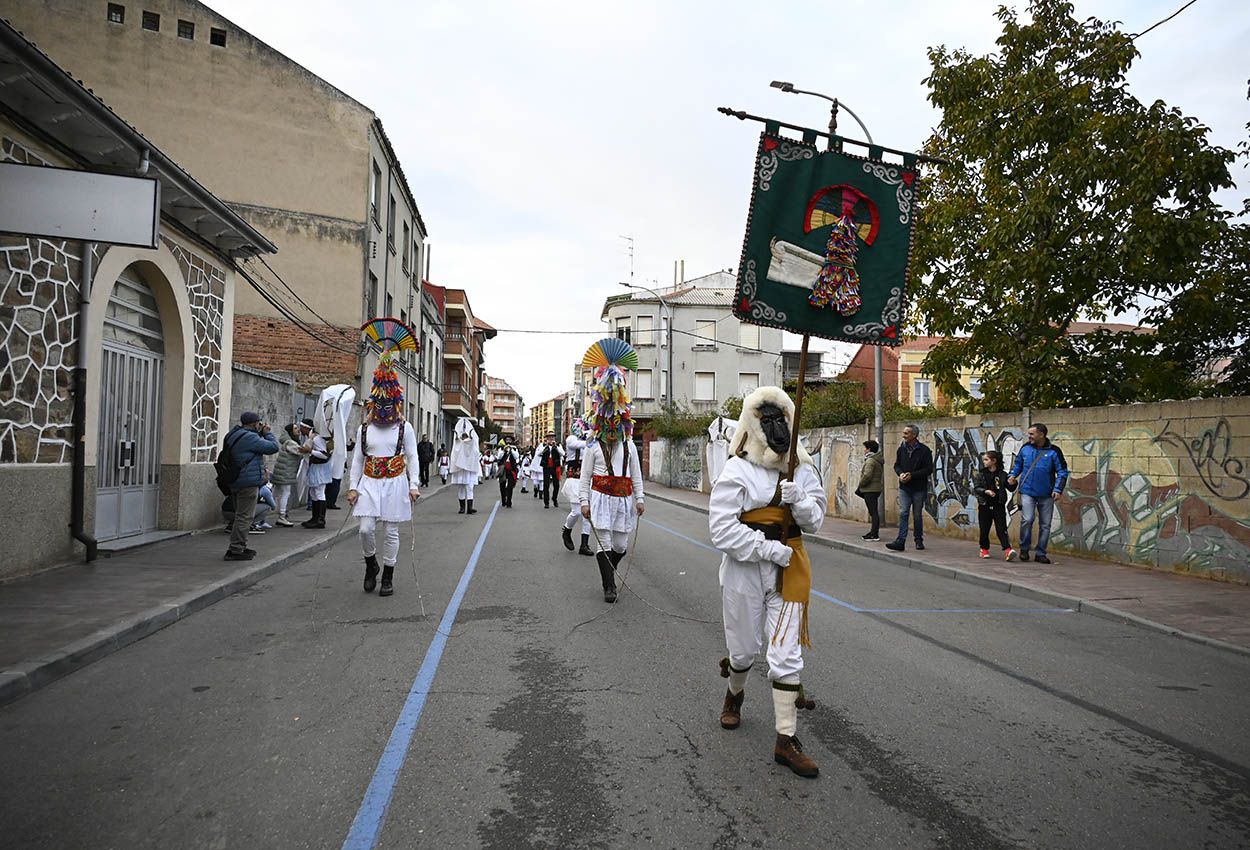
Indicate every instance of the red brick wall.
{"type": "Point", "coordinates": [279, 345]}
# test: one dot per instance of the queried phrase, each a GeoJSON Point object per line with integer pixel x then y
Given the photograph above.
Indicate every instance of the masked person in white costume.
{"type": "Point", "coordinates": [385, 475]}
{"type": "Point", "coordinates": [765, 574]}
{"type": "Point", "coordinates": [466, 463]}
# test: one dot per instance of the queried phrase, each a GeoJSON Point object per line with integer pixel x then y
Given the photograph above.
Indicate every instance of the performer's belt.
{"type": "Point", "coordinates": [384, 467]}
{"type": "Point", "coordinates": [773, 532]}
{"type": "Point", "coordinates": [613, 485]}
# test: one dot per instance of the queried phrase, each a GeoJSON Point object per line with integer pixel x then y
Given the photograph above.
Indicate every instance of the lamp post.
{"type": "Point", "coordinates": [835, 104]}
{"type": "Point", "coordinates": [668, 384]}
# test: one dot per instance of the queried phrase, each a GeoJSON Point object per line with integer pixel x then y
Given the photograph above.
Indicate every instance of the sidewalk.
{"type": "Point", "coordinates": [54, 622]}
{"type": "Point", "coordinates": [1196, 609]}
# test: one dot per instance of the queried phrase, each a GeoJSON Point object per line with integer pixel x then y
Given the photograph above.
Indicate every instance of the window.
{"type": "Point", "coordinates": [664, 330]}
{"type": "Point", "coordinates": [390, 305]}
{"type": "Point", "coordinates": [375, 191]}
{"type": "Point", "coordinates": [186, 29]}
{"type": "Point", "coordinates": [371, 297]}
{"type": "Point", "coordinates": [403, 256]}
{"type": "Point", "coordinates": [152, 21]}
{"type": "Point", "coordinates": [664, 383]}
{"type": "Point", "coordinates": [974, 388]}
{"type": "Point", "coordinates": [390, 223]}
{"type": "Point", "coordinates": [623, 329]}
{"type": "Point", "coordinates": [921, 392]}
{"type": "Point", "coordinates": [216, 37]}
{"type": "Point", "coordinates": [117, 13]}
{"type": "Point", "coordinates": [642, 386]}
{"type": "Point", "coordinates": [705, 330]}
{"type": "Point", "coordinates": [705, 386]}
{"type": "Point", "coordinates": [748, 382]}
{"type": "Point", "coordinates": [646, 332]}
{"type": "Point", "coordinates": [748, 335]}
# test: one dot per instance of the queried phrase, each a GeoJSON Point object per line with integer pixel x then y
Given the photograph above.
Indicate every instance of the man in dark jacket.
{"type": "Point", "coordinates": [248, 443]}
{"type": "Point", "coordinates": [913, 464]}
{"type": "Point", "coordinates": [552, 460]}
{"type": "Point", "coordinates": [425, 456]}
{"type": "Point", "coordinates": [1041, 471]}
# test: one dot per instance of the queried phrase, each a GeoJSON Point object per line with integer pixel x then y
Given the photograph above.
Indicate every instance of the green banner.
{"type": "Point", "coordinates": [827, 244]}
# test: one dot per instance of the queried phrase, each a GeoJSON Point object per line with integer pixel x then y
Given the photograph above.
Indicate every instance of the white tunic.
{"type": "Point", "coordinates": [610, 513]}
{"type": "Point", "coordinates": [385, 498]}
{"type": "Point", "coordinates": [323, 472]}
{"type": "Point", "coordinates": [744, 486]}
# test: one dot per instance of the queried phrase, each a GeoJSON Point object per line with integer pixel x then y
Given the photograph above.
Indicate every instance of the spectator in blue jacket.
{"type": "Point", "coordinates": [913, 464]}
{"type": "Point", "coordinates": [1041, 472]}
{"type": "Point", "coordinates": [248, 442]}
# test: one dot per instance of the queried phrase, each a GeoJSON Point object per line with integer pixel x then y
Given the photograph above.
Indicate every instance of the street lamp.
{"type": "Point", "coordinates": [878, 421]}
{"type": "Point", "coordinates": [668, 384]}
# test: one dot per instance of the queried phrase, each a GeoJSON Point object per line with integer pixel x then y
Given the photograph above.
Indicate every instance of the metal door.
{"type": "Point", "coordinates": [128, 468]}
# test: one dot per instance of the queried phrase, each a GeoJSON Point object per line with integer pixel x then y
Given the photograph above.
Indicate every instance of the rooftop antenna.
{"type": "Point", "coordinates": [630, 240]}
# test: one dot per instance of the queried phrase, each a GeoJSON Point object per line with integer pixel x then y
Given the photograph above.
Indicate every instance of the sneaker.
{"type": "Point", "coordinates": [284, 522]}
{"type": "Point", "coordinates": [985, 553]}
{"type": "Point", "coordinates": [919, 545]}
{"type": "Point", "coordinates": [1042, 559]}
{"type": "Point", "coordinates": [897, 546]}
{"type": "Point", "coordinates": [871, 537]}
{"type": "Point", "coordinates": [265, 525]}
{"type": "Point", "coordinates": [239, 556]}
{"type": "Point", "coordinates": [256, 529]}
{"type": "Point", "coordinates": [1024, 556]}
{"type": "Point", "coordinates": [1009, 555]}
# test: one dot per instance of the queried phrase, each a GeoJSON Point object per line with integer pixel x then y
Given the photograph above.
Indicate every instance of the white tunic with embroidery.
{"type": "Point", "coordinates": [610, 513]}
{"type": "Point", "coordinates": [385, 498]}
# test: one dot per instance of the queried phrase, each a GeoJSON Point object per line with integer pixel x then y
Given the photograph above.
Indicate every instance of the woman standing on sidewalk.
{"type": "Point", "coordinates": [871, 483]}
{"type": "Point", "coordinates": [285, 472]}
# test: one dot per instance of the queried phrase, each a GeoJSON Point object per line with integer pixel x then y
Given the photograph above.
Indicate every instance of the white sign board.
{"type": "Point", "coordinates": [63, 203]}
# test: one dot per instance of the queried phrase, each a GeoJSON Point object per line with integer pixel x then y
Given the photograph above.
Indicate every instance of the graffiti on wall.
{"type": "Point", "coordinates": [1173, 498]}
{"type": "Point", "coordinates": [956, 458]}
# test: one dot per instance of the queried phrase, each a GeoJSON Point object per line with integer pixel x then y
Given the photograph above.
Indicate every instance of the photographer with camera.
{"type": "Point", "coordinates": [246, 444]}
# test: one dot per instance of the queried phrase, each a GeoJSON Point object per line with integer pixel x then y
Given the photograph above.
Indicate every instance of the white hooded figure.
{"type": "Point", "coordinates": [747, 523]}
{"type": "Point", "coordinates": [466, 463]}
{"type": "Point", "coordinates": [334, 408]}
{"type": "Point", "coordinates": [719, 433]}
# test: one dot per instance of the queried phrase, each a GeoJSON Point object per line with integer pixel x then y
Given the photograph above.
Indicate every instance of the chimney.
{"type": "Point", "coordinates": [683, 271]}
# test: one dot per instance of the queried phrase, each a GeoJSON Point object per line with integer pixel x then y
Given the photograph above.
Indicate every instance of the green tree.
{"type": "Point", "coordinates": [1063, 198]}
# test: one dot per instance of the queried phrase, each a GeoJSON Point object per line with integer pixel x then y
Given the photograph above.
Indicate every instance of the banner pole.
{"type": "Point", "coordinates": [794, 429]}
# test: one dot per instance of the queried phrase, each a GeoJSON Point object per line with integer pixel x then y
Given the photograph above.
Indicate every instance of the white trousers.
{"type": "Point", "coordinates": [390, 539]}
{"type": "Point", "coordinates": [464, 491]}
{"type": "Point", "coordinates": [574, 515]}
{"type": "Point", "coordinates": [750, 620]}
{"type": "Point", "coordinates": [283, 494]}
{"type": "Point", "coordinates": [609, 540]}
{"type": "Point", "coordinates": [317, 492]}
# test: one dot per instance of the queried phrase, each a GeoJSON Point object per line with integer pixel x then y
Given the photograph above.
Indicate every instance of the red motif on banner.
{"type": "Point", "coordinates": [770, 144]}
{"type": "Point", "coordinates": [744, 306]}
{"type": "Point", "coordinates": [890, 332]}
{"type": "Point", "coordinates": [909, 177]}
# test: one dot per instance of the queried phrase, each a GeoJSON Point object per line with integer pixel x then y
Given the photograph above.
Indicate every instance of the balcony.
{"type": "Point", "coordinates": [457, 399]}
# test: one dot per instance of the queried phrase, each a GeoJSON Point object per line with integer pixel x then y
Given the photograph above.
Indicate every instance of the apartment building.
{"type": "Point", "coordinates": [505, 407]}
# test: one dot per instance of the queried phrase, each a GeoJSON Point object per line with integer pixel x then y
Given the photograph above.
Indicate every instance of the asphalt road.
{"type": "Point", "coordinates": [948, 715]}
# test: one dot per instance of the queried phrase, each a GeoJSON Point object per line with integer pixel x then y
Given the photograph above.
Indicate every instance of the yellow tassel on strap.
{"type": "Point", "coordinates": [795, 581]}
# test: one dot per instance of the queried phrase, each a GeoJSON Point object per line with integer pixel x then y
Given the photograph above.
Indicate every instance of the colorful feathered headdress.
{"type": "Point", "coordinates": [386, 399]}
{"type": "Point", "coordinates": [609, 395]}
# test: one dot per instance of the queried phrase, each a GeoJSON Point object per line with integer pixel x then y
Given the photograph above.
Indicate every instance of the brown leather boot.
{"type": "Point", "coordinates": [731, 711]}
{"type": "Point", "coordinates": [789, 751]}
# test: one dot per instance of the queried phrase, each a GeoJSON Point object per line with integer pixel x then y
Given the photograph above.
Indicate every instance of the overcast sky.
{"type": "Point", "coordinates": [536, 134]}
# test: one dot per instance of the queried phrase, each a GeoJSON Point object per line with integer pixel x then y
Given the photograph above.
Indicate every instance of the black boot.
{"type": "Point", "coordinates": [605, 574]}
{"type": "Point", "coordinates": [461, 507]}
{"type": "Point", "coordinates": [566, 534]}
{"type": "Point", "coordinates": [321, 515]}
{"type": "Point", "coordinates": [585, 548]}
{"type": "Point", "coordinates": [387, 572]}
{"type": "Point", "coordinates": [470, 510]}
{"type": "Point", "coordinates": [311, 522]}
{"type": "Point", "coordinates": [371, 572]}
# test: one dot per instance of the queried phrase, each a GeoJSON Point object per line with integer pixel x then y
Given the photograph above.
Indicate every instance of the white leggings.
{"type": "Point", "coordinates": [317, 492]}
{"type": "Point", "coordinates": [282, 492]}
{"type": "Point", "coordinates": [612, 541]}
{"type": "Point", "coordinates": [390, 542]}
{"type": "Point", "coordinates": [750, 621]}
{"type": "Point", "coordinates": [574, 516]}
{"type": "Point", "coordinates": [464, 491]}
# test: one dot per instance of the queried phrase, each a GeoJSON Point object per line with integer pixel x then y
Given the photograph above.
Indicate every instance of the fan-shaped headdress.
{"type": "Point", "coordinates": [609, 395]}
{"type": "Point", "coordinates": [386, 399]}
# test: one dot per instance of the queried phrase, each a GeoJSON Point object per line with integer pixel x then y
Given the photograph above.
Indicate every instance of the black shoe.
{"type": "Point", "coordinates": [1041, 559]}
{"type": "Point", "coordinates": [333, 508]}
{"type": "Point", "coordinates": [371, 573]}
{"type": "Point", "coordinates": [461, 507]}
{"type": "Point", "coordinates": [387, 572]}
{"type": "Point", "coordinates": [897, 546]}
{"type": "Point", "coordinates": [609, 594]}
{"type": "Point", "coordinates": [239, 556]}
{"type": "Point", "coordinates": [566, 534]}
{"type": "Point", "coordinates": [920, 545]}
{"type": "Point", "coordinates": [585, 547]}
{"type": "Point", "coordinates": [1024, 554]}
{"type": "Point", "coordinates": [251, 552]}
{"type": "Point", "coordinates": [470, 510]}
{"type": "Point", "coordinates": [870, 536]}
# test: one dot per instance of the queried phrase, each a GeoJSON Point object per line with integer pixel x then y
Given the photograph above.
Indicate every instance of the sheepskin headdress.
{"type": "Point", "coordinates": [749, 441]}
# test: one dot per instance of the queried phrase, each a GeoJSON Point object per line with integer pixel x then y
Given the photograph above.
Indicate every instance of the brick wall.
{"type": "Point", "coordinates": [279, 345]}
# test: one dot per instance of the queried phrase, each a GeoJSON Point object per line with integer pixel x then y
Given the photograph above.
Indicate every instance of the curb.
{"type": "Point", "coordinates": [1050, 597]}
{"type": "Point", "coordinates": [29, 676]}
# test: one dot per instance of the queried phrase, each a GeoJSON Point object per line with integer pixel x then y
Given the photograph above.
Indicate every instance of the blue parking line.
{"type": "Point", "coordinates": [371, 815]}
{"type": "Point", "coordinates": [850, 607]}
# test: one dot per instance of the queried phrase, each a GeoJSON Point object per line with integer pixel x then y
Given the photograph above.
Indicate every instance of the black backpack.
{"type": "Point", "coordinates": [227, 469]}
